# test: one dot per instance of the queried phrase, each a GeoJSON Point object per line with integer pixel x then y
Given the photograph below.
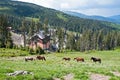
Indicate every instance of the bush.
{"type": "Point", "coordinates": [31, 51]}
{"type": "Point", "coordinates": [40, 51]}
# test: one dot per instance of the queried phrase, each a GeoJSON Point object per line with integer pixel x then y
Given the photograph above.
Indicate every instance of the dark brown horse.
{"type": "Point", "coordinates": [96, 59]}
{"type": "Point", "coordinates": [29, 58]}
{"type": "Point", "coordinates": [66, 59]}
{"type": "Point", "coordinates": [79, 59]}
{"type": "Point", "coordinates": [40, 58]}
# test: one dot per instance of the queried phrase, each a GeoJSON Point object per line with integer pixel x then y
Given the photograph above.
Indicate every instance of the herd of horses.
{"type": "Point", "coordinates": [78, 59]}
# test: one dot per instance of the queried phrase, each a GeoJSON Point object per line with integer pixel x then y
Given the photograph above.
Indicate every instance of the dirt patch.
{"type": "Point", "coordinates": [116, 73]}
{"type": "Point", "coordinates": [67, 77]}
{"type": "Point", "coordinates": [99, 77]}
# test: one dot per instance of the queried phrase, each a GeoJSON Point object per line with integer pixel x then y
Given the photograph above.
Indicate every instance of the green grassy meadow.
{"type": "Point", "coordinates": [55, 67]}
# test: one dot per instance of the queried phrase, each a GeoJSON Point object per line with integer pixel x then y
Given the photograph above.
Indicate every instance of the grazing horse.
{"type": "Point", "coordinates": [29, 58]}
{"type": "Point", "coordinates": [96, 59]}
{"type": "Point", "coordinates": [79, 59]}
{"type": "Point", "coordinates": [40, 58]}
{"type": "Point", "coordinates": [66, 59]}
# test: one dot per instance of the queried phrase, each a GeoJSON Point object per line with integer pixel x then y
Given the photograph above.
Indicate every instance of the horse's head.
{"type": "Point", "coordinates": [63, 58]}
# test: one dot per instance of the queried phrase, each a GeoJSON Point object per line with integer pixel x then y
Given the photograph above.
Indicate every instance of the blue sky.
{"type": "Point", "coordinates": [89, 7]}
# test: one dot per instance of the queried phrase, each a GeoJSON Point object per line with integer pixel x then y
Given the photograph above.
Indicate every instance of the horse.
{"type": "Point", "coordinates": [66, 59]}
{"type": "Point", "coordinates": [40, 58]}
{"type": "Point", "coordinates": [79, 59]}
{"type": "Point", "coordinates": [29, 58]}
{"type": "Point", "coordinates": [96, 59]}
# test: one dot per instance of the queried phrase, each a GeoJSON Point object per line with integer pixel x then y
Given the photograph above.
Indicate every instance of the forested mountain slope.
{"type": "Point", "coordinates": [16, 10]}
{"type": "Point", "coordinates": [114, 19]}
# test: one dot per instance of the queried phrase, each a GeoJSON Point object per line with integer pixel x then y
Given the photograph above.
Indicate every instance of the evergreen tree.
{"type": "Point", "coordinates": [60, 36]}
{"type": "Point", "coordinates": [23, 30]}
{"type": "Point", "coordinates": [31, 29]}
{"type": "Point", "coordinates": [100, 40]}
{"type": "Point", "coordinates": [45, 26]}
{"type": "Point", "coordinates": [38, 26]}
{"type": "Point", "coordinates": [71, 42]}
{"type": "Point", "coordinates": [5, 35]}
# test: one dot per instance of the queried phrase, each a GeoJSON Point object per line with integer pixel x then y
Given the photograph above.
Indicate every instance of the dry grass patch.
{"type": "Point", "coordinates": [99, 77]}
{"type": "Point", "coordinates": [116, 73]}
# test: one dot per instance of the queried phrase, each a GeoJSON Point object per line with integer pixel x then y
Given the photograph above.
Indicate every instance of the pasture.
{"type": "Point", "coordinates": [56, 67]}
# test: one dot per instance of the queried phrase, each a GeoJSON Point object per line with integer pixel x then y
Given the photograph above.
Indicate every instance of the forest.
{"type": "Point", "coordinates": [88, 39]}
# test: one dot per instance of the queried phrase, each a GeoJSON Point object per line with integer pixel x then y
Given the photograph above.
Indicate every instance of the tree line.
{"type": "Point", "coordinates": [88, 39]}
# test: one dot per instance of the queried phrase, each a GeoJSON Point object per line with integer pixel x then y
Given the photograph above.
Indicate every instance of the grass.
{"type": "Point", "coordinates": [61, 16]}
{"type": "Point", "coordinates": [55, 67]}
{"type": "Point", "coordinates": [30, 18]}
{"type": "Point", "coordinates": [4, 8]}
{"type": "Point", "coordinates": [113, 25]}
{"type": "Point", "coordinates": [12, 52]}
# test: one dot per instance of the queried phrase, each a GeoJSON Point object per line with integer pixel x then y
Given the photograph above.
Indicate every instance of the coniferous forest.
{"type": "Point", "coordinates": [88, 39]}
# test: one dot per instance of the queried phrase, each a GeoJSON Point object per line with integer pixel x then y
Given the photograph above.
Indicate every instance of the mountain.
{"type": "Point", "coordinates": [115, 19]}
{"type": "Point", "coordinates": [17, 10]}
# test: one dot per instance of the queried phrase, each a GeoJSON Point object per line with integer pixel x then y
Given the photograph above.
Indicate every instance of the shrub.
{"type": "Point", "coordinates": [40, 51]}
{"type": "Point", "coordinates": [31, 51]}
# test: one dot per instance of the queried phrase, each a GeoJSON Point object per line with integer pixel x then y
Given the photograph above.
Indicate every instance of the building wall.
{"type": "Point", "coordinates": [47, 45]}
{"type": "Point", "coordinates": [32, 46]}
{"type": "Point", "coordinates": [40, 44]}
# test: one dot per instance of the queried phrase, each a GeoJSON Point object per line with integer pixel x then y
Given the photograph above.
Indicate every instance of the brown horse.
{"type": "Point", "coordinates": [96, 59]}
{"type": "Point", "coordinates": [79, 59]}
{"type": "Point", "coordinates": [66, 59]}
{"type": "Point", "coordinates": [29, 58]}
{"type": "Point", "coordinates": [40, 58]}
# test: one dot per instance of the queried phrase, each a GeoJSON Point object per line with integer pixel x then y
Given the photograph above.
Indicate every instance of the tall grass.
{"type": "Point", "coordinates": [12, 52]}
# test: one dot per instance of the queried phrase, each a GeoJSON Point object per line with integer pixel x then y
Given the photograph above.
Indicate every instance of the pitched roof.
{"type": "Point", "coordinates": [41, 35]}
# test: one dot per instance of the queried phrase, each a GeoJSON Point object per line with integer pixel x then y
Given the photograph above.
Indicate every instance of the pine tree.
{"type": "Point", "coordinates": [31, 29]}
{"type": "Point", "coordinates": [71, 42]}
{"type": "Point", "coordinates": [45, 26]}
{"type": "Point", "coordinates": [60, 36]}
{"type": "Point", "coordinates": [5, 35]}
{"type": "Point", "coordinates": [23, 30]}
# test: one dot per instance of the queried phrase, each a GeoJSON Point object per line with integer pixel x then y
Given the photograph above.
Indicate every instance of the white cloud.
{"type": "Point", "coordinates": [95, 7]}
{"type": "Point", "coordinates": [65, 5]}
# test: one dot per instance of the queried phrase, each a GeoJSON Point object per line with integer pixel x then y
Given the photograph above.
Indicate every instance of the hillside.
{"type": "Point", "coordinates": [117, 17]}
{"type": "Point", "coordinates": [56, 18]}
{"type": "Point", "coordinates": [114, 19]}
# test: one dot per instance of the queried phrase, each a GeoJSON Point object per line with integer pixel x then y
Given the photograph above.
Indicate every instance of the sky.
{"type": "Point", "coordinates": [89, 7]}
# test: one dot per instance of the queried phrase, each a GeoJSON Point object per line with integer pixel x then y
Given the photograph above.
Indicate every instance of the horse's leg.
{"type": "Point", "coordinates": [44, 59]}
{"type": "Point", "coordinates": [99, 61]}
{"type": "Point", "coordinates": [26, 60]}
{"type": "Point", "coordinates": [82, 60]}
